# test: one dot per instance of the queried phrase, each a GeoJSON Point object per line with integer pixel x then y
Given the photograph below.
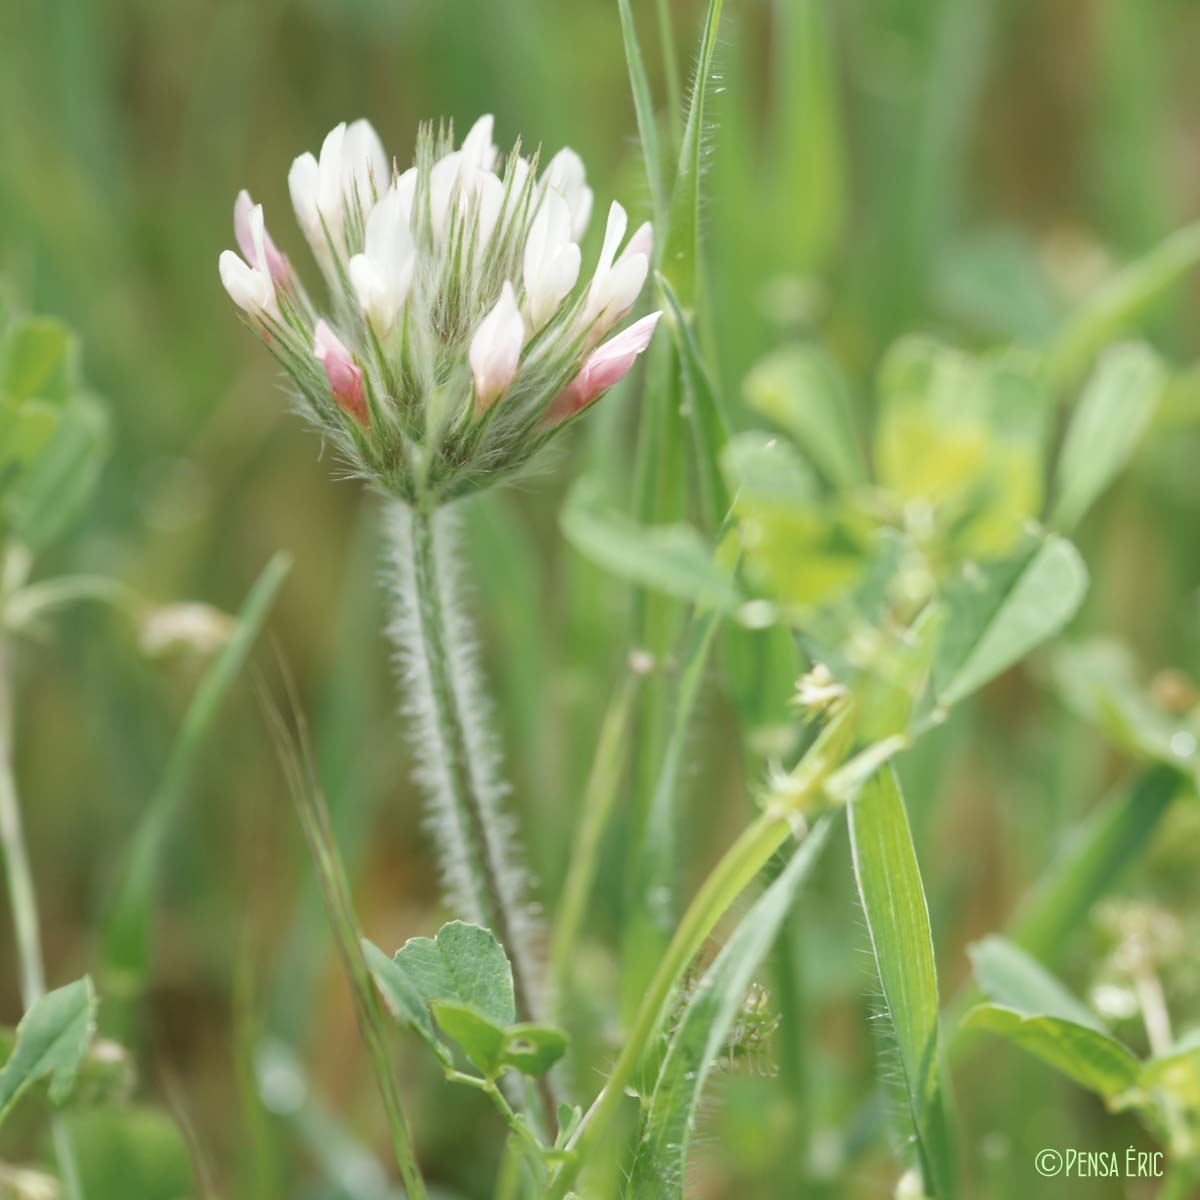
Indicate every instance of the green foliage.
{"type": "Point", "coordinates": [137, 1151]}
{"type": "Point", "coordinates": [1094, 863]}
{"type": "Point", "coordinates": [998, 611]}
{"type": "Point", "coordinates": [802, 391]}
{"type": "Point", "coordinates": [51, 1044]}
{"type": "Point", "coordinates": [1098, 680]}
{"type": "Point", "coordinates": [671, 559]}
{"type": "Point", "coordinates": [1036, 1012]}
{"type": "Point", "coordinates": [712, 1008]}
{"type": "Point", "coordinates": [1113, 413]}
{"type": "Point", "coordinates": [1016, 980]}
{"type": "Point", "coordinates": [53, 434]}
{"type": "Point", "coordinates": [966, 436]}
{"type": "Point", "coordinates": [681, 257]}
{"type": "Point", "coordinates": [463, 979]}
{"type": "Point", "coordinates": [893, 900]}
{"type": "Point", "coordinates": [1091, 1058]}
{"type": "Point", "coordinates": [1123, 301]}
{"type": "Point", "coordinates": [869, 388]}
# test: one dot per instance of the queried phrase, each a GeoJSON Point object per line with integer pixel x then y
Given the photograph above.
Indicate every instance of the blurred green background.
{"type": "Point", "coordinates": [875, 166]}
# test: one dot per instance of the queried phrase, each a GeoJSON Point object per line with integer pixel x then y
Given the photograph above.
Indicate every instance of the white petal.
{"type": "Point", "coordinates": [303, 183]}
{"type": "Point", "coordinates": [249, 289]}
{"type": "Point", "coordinates": [329, 192]}
{"type": "Point", "coordinates": [618, 221]}
{"type": "Point", "coordinates": [406, 188]}
{"type": "Point", "coordinates": [490, 193]}
{"type": "Point", "coordinates": [365, 170]}
{"type": "Point", "coordinates": [565, 172]}
{"type": "Point", "coordinates": [495, 350]}
{"type": "Point", "coordinates": [443, 180]}
{"type": "Point", "coordinates": [477, 148]}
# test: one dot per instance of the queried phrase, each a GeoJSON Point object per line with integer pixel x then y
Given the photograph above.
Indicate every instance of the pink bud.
{"type": "Point", "coordinates": [605, 366]}
{"type": "Point", "coordinates": [276, 263]}
{"type": "Point", "coordinates": [345, 379]}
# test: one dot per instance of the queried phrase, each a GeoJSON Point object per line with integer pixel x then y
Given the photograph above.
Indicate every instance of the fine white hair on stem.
{"type": "Point", "coordinates": [458, 759]}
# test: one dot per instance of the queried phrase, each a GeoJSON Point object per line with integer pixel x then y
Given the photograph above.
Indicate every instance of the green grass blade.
{"type": "Point", "coordinates": [658, 1170]}
{"type": "Point", "coordinates": [806, 140]}
{"type": "Point", "coordinates": [127, 930]}
{"type": "Point", "coordinates": [1120, 304]}
{"type": "Point", "coordinates": [893, 899]}
{"type": "Point", "coordinates": [604, 782]}
{"type": "Point", "coordinates": [680, 261]}
{"type": "Point", "coordinates": [671, 72]}
{"type": "Point", "coordinates": [647, 122]}
{"type": "Point", "coordinates": [1093, 863]}
{"type": "Point", "coordinates": [710, 423]}
{"type": "Point", "coordinates": [654, 895]}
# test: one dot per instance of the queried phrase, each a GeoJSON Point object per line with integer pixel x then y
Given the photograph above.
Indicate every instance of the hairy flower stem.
{"type": "Point", "coordinates": [23, 900]}
{"type": "Point", "coordinates": [459, 763]}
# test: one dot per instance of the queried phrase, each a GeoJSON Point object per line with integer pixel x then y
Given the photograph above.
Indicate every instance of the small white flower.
{"type": "Point", "coordinates": [618, 279]}
{"type": "Point", "coordinates": [565, 173]}
{"type": "Point", "coordinates": [250, 287]}
{"type": "Point", "coordinates": [456, 184]}
{"type": "Point", "coordinates": [496, 349]}
{"type": "Point", "coordinates": [352, 169]}
{"type": "Point", "coordinates": [196, 627]}
{"type": "Point", "coordinates": [465, 175]}
{"type": "Point", "coordinates": [551, 260]}
{"type": "Point", "coordinates": [818, 689]}
{"type": "Point", "coordinates": [382, 274]}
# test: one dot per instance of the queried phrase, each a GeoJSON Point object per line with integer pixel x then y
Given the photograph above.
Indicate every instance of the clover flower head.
{"type": "Point", "coordinates": [459, 338]}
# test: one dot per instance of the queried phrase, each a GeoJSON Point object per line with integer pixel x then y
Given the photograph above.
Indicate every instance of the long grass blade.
{"type": "Point", "coordinates": [647, 122]}
{"type": "Point", "coordinates": [709, 421]}
{"type": "Point", "coordinates": [654, 897]}
{"type": "Point", "coordinates": [680, 263]}
{"type": "Point", "coordinates": [127, 930]}
{"type": "Point", "coordinates": [599, 798]}
{"type": "Point", "coordinates": [295, 759]}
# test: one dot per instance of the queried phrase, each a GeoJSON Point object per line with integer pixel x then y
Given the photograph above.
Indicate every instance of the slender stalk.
{"type": "Point", "coordinates": [314, 819]}
{"type": "Point", "coordinates": [23, 899]}
{"type": "Point", "coordinates": [599, 796]}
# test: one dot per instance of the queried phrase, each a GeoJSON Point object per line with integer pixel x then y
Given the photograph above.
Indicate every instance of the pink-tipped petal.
{"type": "Point", "coordinates": [244, 231]}
{"type": "Point", "coordinates": [605, 366]}
{"type": "Point", "coordinates": [345, 378]}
